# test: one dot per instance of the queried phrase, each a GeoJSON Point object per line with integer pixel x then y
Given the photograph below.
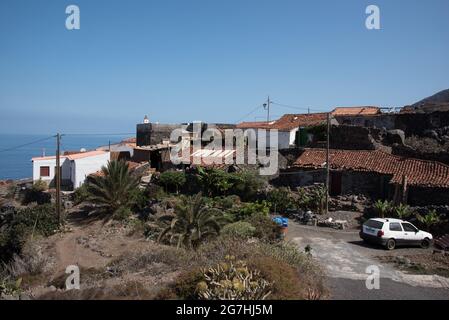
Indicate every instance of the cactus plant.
{"type": "Point", "coordinates": [232, 280]}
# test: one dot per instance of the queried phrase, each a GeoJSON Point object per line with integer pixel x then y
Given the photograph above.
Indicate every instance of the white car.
{"type": "Point", "coordinates": [394, 232]}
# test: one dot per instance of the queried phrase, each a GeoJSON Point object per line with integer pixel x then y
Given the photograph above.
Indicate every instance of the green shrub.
{"type": "Point", "coordinates": [241, 229]}
{"type": "Point", "coordinates": [40, 220]}
{"type": "Point", "coordinates": [247, 185]}
{"type": "Point", "coordinates": [173, 180]}
{"type": "Point", "coordinates": [280, 200]}
{"type": "Point", "coordinates": [246, 210]}
{"type": "Point", "coordinates": [122, 214]}
{"type": "Point", "coordinates": [80, 195]}
{"type": "Point", "coordinates": [266, 229]}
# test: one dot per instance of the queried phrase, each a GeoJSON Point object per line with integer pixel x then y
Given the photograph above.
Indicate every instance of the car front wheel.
{"type": "Point", "coordinates": [391, 244]}
{"type": "Point", "coordinates": [425, 243]}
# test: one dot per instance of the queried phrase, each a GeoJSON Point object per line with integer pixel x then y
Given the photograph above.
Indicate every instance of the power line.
{"type": "Point", "coordinates": [295, 107]}
{"type": "Point", "coordinates": [27, 144]}
{"type": "Point", "coordinates": [100, 134]}
{"type": "Point", "coordinates": [249, 113]}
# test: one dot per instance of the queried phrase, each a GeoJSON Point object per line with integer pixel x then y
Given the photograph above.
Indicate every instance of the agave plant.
{"type": "Point", "coordinates": [382, 208]}
{"type": "Point", "coordinates": [193, 222]}
{"type": "Point", "coordinates": [113, 190]}
{"type": "Point", "coordinates": [430, 219]}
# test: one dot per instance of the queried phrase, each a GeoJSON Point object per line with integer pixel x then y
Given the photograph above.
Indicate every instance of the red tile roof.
{"type": "Point", "coordinates": [419, 172]}
{"type": "Point", "coordinates": [288, 122]}
{"type": "Point", "coordinates": [253, 125]}
{"type": "Point", "coordinates": [73, 156]}
{"type": "Point", "coordinates": [355, 111]}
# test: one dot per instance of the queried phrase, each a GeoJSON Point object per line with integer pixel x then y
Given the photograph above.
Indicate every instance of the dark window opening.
{"type": "Point", "coordinates": [44, 171]}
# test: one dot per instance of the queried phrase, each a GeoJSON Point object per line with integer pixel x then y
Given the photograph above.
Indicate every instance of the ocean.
{"type": "Point", "coordinates": [16, 151]}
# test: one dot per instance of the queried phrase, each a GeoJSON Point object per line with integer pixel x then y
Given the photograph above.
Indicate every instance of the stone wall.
{"type": "Point", "coordinates": [427, 196]}
{"type": "Point", "coordinates": [154, 133]}
{"type": "Point", "coordinates": [410, 123]}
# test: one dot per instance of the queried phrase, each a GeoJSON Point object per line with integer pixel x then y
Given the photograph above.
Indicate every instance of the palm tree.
{"type": "Point", "coordinates": [382, 207]}
{"type": "Point", "coordinates": [113, 189]}
{"type": "Point", "coordinates": [430, 219]}
{"type": "Point", "coordinates": [402, 211]}
{"type": "Point", "coordinates": [193, 222]}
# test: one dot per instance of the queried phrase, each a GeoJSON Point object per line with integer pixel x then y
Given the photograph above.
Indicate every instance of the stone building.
{"type": "Point", "coordinates": [373, 173]}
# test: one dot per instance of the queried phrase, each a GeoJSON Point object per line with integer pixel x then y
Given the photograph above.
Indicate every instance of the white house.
{"type": "Point", "coordinates": [74, 167]}
{"type": "Point", "coordinates": [288, 126]}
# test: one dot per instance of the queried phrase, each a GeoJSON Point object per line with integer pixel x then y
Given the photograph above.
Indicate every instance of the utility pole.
{"type": "Point", "coordinates": [58, 178]}
{"type": "Point", "coordinates": [267, 107]}
{"type": "Point", "coordinates": [327, 162]}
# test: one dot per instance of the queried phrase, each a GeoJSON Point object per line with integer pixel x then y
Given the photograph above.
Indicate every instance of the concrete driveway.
{"type": "Point", "coordinates": [345, 259]}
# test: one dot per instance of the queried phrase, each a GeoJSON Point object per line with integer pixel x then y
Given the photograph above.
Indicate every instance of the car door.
{"type": "Point", "coordinates": [411, 235]}
{"type": "Point", "coordinates": [396, 232]}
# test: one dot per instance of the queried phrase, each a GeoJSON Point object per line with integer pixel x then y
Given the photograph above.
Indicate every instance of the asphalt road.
{"type": "Point", "coordinates": [346, 258]}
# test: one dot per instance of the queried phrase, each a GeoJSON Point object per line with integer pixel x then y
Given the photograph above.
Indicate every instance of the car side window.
{"type": "Point", "coordinates": [395, 226]}
{"type": "Point", "coordinates": [408, 227]}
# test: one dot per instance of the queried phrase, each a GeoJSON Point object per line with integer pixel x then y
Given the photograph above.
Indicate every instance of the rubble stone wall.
{"type": "Point", "coordinates": [410, 123]}
{"type": "Point", "coordinates": [428, 196]}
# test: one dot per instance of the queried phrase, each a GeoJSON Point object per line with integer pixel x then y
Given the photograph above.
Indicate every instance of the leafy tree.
{"type": "Point", "coordinates": [304, 200]}
{"type": "Point", "coordinates": [430, 219]}
{"type": "Point", "coordinates": [173, 179]}
{"type": "Point", "coordinates": [114, 189]}
{"type": "Point", "coordinates": [247, 185]}
{"type": "Point", "coordinates": [216, 181]}
{"type": "Point", "coordinates": [193, 222]}
{"type": "Point", "coordinates": [382, 207]}
{"type": "Point", "coordinates": [280, 200]}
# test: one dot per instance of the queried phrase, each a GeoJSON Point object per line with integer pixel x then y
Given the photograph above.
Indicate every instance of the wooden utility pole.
{"type": "Point", "coordinates": [327, 162]}
{"type": "Point", "coordinates": [58, 178]}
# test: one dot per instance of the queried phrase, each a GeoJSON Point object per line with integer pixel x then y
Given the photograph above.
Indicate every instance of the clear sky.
{"type": "Point", "coordinates": [210, 60]}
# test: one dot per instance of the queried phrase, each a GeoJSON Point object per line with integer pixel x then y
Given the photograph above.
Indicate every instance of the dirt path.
{"type": "Point", "coordinates": [346, 258]}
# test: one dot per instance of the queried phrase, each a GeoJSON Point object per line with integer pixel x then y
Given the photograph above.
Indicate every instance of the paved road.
{"type": "Point", "coordinates": [345, 259]}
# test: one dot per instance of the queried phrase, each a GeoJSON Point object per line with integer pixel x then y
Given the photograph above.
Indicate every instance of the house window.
{"type": "Point", "coordinates": [45, 171]}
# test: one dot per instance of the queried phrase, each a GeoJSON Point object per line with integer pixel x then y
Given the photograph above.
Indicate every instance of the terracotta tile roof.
{"type": "Point", "coordinates": [131, 166]}
{"type": "Point", "coordinates": [253, 125]}
{"type": "Point", "coordinates": [73, 156]}
{"type": "Point", "coordinates": [129, 140]}
{"type": "Point", "coordinates": [422, 173]}
{"type": "Point", "coordinates": [354, 111]}
{"type": "Point", "coordinates": [287, 122]}
{"type": "Point", "coordinates": [292, 121]}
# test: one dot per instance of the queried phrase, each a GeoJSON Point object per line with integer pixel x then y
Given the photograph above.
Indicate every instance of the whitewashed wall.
{"type": "Point", "coordinates": [51, 163]}
{"type": "Point", "coordinates": [86, 166]}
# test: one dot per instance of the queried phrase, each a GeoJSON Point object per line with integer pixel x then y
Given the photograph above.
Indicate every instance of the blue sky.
{"type": "Point", "coordinates": [210, 60]}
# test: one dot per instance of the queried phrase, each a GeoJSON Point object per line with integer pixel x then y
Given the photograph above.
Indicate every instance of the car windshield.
{"type": "Point", "coordinates": [374, 224]}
